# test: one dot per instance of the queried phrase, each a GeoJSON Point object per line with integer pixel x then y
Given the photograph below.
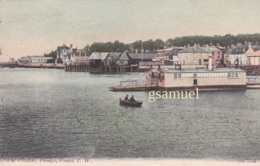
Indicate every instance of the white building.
{"type": "Point", "coordinates": [33, 60]}
{"type": "Point", "coordinates": [66, 55]}
{"type": "Point", "coordinates": [236, 55]}
{"type": "Point", "coordinates": [253, 54]}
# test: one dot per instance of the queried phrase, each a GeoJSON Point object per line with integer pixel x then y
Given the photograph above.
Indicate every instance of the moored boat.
{"type": "Point", "coordinates": [130, 103]}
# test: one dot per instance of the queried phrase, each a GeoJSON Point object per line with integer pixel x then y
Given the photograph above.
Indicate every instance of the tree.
{"type": "Point", "coordinates": [159, 44]}
{"type": "Point", "coordinates": [169, 42]}
{"type": "Point", "coordinates": [86, 48]}
{"type": "Point", "coordinates": [137, 45]}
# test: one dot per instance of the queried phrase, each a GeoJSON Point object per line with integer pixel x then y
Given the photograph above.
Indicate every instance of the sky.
{"type": "Point", "coordinates": [35, 27]}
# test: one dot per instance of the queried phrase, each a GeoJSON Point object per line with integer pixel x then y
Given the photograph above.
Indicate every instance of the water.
{"type": "Point", "coordinates": [46, 113]}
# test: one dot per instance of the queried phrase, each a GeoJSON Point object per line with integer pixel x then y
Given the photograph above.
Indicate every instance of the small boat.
{"type": "Point", "coordinates": [130, 103]}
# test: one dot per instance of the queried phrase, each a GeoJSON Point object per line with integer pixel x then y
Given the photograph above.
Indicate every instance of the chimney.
{"type": "Point", "coordinates": [71, 45]}
{"type": "Point", "coordinates": [195, 46]}
{"type": "Point", "coordinates": [210, 63]}
{"type": "Point", "coordinates": [207, 47]}
{"type": "Point", "coordinates": [249, 45]}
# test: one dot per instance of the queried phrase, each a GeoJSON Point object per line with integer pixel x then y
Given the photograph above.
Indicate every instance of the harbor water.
{"type": "Point", "coordinates": [49, 113]}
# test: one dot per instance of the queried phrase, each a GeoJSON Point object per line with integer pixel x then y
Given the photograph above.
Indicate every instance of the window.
{"type": "Point", "coordinates": [195, 75]}
{"type": "Point", "coordinates": [232, 75]}
{"type": "Point", "coordinates": [195, 81]}
{"type": "Point", "coordinates": [177, 75]}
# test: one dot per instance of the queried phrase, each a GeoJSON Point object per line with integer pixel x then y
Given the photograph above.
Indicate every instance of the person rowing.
{"type": "Point", "coordinates": [132, 99]}
{"type": "Point", "coordinates": [126, 98]}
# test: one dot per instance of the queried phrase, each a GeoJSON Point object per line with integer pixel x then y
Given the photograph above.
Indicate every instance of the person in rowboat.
{"type": "Point", "coordinates": [132, 99]}
{"type": "Point", "coordinates": [126, 98]}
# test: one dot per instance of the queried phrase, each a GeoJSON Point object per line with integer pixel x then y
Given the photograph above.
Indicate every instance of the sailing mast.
{"type": "Point", "coordinates": [142, 50]}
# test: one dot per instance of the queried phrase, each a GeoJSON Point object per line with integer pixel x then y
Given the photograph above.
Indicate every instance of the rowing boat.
{"type": "Point", "coordinates": [130, 103]}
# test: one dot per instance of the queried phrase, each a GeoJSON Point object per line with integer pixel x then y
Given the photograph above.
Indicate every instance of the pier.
{"type": "Point", "coordinates": [113, 69]}
{"type": "Point", "coordinates": [118, 69]}
{"type": "Point", "coordinates": [77, 68]}
{"type": "Point", "coordinates": [10, 65]}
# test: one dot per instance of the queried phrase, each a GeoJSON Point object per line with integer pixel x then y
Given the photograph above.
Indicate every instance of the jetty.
{"type": "Point", "coordinates": [77, 68]}
{"type": "Point", "coordinates": [8, 64]}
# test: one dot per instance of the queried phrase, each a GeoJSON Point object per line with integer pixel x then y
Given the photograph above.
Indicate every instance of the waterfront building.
{"type": "Point", "coordinates": [98, 59]}
{"type": "Point", "coordinates": [65, 54]}
{"type": "Point", "coordinates": [169, 56]}
{"type": "Point", "coordinates": [195, 57]}
{"type": "Point", "coordinates": [236, 55]}
{"type": "Point", "coordinates": [24, 60]}
{"type": "Point", "coordinates": [112, 58]}
{"type": "Point", "coordinates": [123, 59]}
{"type": "Point", "coordinates": [253, 54]}
{"type": "Point", "coordinates": [34, 60]}
{"type": "Point", "coordinates": [137, 58]}
{"type": "Point", "coordinates": [216, 55]}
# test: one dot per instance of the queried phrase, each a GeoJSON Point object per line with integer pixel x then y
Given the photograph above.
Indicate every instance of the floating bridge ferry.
{"type": "Point", "coordinates": [187, 79]}
{"type": "Point", "coordinates": [204, 79]}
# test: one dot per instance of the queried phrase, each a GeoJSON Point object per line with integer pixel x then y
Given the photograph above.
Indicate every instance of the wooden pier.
{"type": "Point", "coordinates": [113, 69]}
{"type": "Point", "coordinates": [118, 69]}
{"type": "Point", "coordinates": [77, 68]}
